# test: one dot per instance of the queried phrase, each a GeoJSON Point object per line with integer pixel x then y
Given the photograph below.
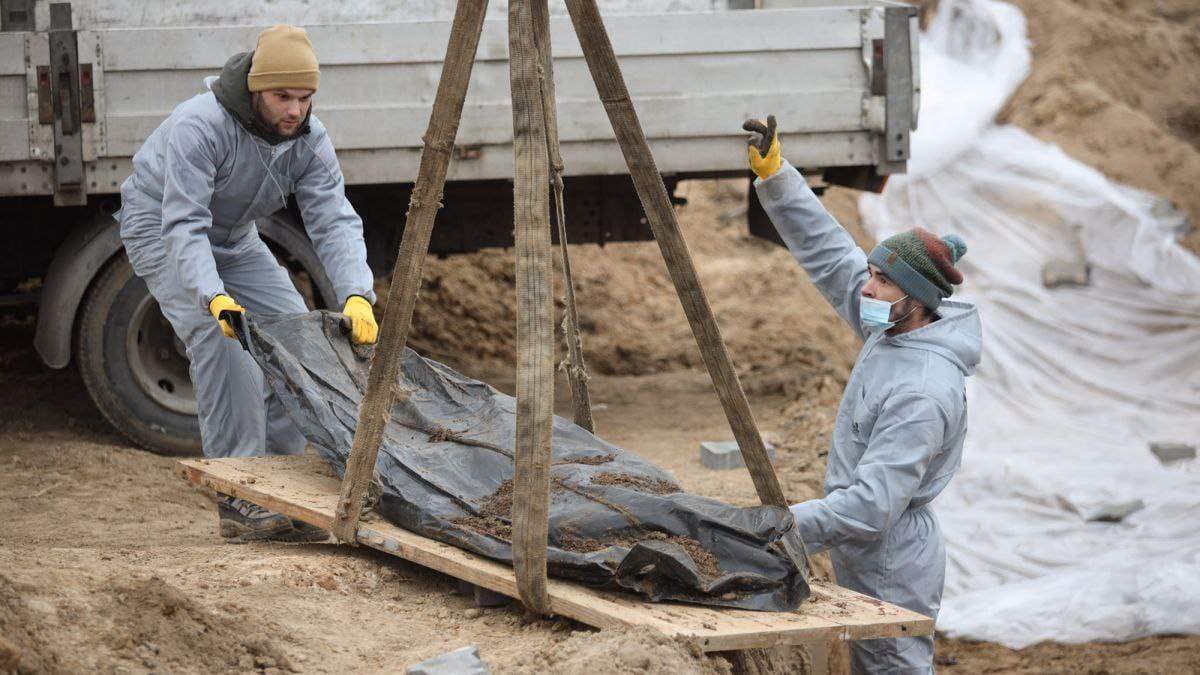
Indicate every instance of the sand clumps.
{"type": "Point", "coordinates": [1114, 83]}
{"type": "Point", "coordinates": [159, 627]}
{"type": "Point", "coordinates": [630, 316]}
{"type": "Point", "coordinates": [616, 652]}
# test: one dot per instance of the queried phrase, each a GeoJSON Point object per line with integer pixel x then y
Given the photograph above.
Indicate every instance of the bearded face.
{"type": "Point", "coordinates": [282, 111]}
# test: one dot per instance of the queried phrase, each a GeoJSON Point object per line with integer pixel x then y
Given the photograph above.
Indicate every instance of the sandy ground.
{"type": "Point", "coordinates": [109, 563]}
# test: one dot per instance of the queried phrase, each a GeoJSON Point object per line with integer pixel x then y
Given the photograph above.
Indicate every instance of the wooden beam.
{"type": "Point", "coordinates": [406, 277]}
{"type": "Point", "coordinates": [300, 487]}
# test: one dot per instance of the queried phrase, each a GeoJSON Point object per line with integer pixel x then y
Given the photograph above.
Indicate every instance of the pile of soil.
{"type": "Point", "coordinates": [159, 627]}
{"type": "Point", "coordinates": [630, 317]}
{"type": "Point", "coordinates": [1114, 83]}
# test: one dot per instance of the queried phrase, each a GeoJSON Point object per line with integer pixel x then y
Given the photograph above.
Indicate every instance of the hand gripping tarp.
{"type": "Point", "coordinates": [446, 463]}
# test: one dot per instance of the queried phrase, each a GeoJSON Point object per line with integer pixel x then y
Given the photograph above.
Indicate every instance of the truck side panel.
{"type": "Point", "coordinates": [693, 76]}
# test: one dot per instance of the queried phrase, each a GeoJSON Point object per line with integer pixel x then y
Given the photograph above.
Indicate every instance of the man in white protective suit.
{"type": "Point", "coordinates": [899, 432]}
{"type": "Point", "coordinates": [221, 160]}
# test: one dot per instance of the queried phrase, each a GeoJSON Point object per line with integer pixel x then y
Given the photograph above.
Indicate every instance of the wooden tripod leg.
{"type": "Point", "coordinates": [602, 62]}
{"type": "Point", "coordinates": [406, 277]}
{"type": "Point", "coordinates": [535, 313]}
{"type": "Point", "coordinates": [576, 368]}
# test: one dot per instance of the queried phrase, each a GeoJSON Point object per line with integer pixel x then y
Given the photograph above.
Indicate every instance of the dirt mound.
{"type": "Point", "coordinates": [20, 629]}
{"type": "Point", "coordinates": [630, 318]}
{"type": "Point", "coordinates": [615, 652]}
{"type": "Point", "coordinates": [137, 624]}
{"type": "Point", "coordinates": [1114, 83]}
{"type": "Point", "coordinates": [159, 627]}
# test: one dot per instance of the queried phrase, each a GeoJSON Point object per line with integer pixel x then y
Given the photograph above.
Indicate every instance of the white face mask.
{"type": "Point", "coordinates": [877, 314]}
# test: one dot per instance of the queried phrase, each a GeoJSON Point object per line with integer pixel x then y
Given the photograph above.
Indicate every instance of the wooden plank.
{"type": "Point", "coordinates": [302, 488]}
{"type": "Point", "coordinates": [415, 41]}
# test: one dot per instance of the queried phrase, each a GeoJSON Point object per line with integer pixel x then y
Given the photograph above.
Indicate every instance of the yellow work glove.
{"type": "Point", "coordinates": [224, 303]}
{"type": "Point", "coordinates": [363, 329]}
{"type": "Point", "coordinates": [764, 147]}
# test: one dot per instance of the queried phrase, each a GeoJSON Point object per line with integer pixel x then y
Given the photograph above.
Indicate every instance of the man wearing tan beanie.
{"type": "Point", "coordinates": [223, 159]}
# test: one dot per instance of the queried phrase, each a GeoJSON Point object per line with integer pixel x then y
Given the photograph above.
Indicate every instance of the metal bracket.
{"type": "Point", "coordinates": [69, 185]}
{"type": "Point", "coordinates": [898, 76]}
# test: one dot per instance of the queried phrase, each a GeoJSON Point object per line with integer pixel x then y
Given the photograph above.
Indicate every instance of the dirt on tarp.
{"type": "Point", "coordinates": [457, 487]}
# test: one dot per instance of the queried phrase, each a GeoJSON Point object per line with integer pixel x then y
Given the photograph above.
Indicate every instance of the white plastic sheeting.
{"type": "Point", "coordinates": [1075, 381]}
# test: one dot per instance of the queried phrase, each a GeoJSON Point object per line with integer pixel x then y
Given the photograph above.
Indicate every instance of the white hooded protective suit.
{"type": "Point", "coordinates": [897, 439]}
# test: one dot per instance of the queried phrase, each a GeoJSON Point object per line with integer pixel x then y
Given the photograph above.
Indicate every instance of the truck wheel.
{"type": "Point", "coordinates": [132, 364]}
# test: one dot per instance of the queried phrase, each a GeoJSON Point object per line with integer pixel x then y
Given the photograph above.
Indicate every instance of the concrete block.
{"type": "Point", "coordinates": [1168, 453]}
{"type": "Point", "coordinates": [1066, 273]}
{"type": "Point", "coordinates": [722, 455]}
{"type": "Point", "coordinates": [461, 661]}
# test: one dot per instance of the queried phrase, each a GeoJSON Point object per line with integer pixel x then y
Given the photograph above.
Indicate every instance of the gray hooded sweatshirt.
{"type": "Point", "coordinates": [209, 171]}
{"type": "Point", "coordinates": [898, 436]}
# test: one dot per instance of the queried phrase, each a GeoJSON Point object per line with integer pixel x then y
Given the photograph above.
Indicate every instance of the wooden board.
{"type": "Point", "coordinates": [303, 488]}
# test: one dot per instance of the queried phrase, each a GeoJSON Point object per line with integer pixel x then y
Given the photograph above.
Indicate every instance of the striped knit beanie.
{"type": "Point", "coordinates": [921, 264]}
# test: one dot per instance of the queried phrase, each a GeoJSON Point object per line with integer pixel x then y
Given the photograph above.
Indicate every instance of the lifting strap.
{"type": "Point", "coordinates": [574, 365]}
{"type": "Point", "coordinates": [535, 311]}
{"type": "Point", "coordinates": [410, 262]}
{"type": "Point", "coordinates": [606, 73]}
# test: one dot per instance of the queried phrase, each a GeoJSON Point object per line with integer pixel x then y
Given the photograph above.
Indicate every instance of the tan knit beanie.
{"type": "Point", "coordinates": [283, 59]}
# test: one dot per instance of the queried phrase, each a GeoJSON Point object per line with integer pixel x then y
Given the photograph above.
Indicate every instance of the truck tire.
{"type": "Point", "coordinates": [132, 364]}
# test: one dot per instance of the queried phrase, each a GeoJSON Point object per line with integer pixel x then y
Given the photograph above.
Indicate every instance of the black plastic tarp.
{"type": "Point", "coordinates": [446, 463]}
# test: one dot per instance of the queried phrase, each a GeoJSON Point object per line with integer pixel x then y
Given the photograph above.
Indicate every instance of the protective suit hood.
{"type": "Point", "coordinates": [956, 336]}
{"type": "Point", "coordinates": [234, 95]}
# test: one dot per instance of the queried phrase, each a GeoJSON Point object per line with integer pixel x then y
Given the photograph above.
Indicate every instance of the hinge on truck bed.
{"type": "Point", "coordinates": [889, 106]}
{"type": "Point", "coordinates": [61, 81]}
{"type": "Point", "coordinates": [898, 72]}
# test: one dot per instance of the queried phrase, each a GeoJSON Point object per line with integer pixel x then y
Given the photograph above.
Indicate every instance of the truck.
{"type": "Point", "coordinates": [84, 83]}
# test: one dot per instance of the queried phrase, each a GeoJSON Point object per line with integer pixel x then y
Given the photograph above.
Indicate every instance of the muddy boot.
{"type": "Point", "coordinates": [242, 521]}
{"type": "Point", "coordinates": [303, 532]}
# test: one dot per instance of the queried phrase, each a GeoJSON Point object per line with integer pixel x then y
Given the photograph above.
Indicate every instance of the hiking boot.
{"type": "Point", "coordinates": [303, 532]}
{"type": "Point", "coordinates": [242, 521]}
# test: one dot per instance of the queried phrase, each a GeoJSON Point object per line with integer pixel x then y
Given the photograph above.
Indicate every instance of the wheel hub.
{"type": "Point", "coordinates": [158, 359]}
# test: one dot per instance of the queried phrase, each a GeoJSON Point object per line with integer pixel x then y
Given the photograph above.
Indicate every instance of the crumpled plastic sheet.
{"type": "Point", "coordinates": [616, 520]}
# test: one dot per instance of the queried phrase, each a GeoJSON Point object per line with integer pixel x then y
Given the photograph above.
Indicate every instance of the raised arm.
{"type": "Point", "coordinates": [823, 247]}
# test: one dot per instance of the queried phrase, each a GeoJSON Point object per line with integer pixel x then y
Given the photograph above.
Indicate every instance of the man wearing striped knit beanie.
{"type": "Point", "coordinates": [899, 432]}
